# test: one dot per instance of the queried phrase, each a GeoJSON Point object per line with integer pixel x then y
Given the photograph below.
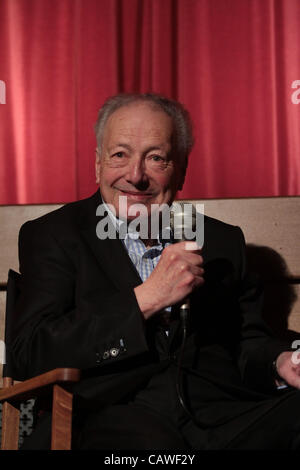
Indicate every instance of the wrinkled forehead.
{"type": "Point", "coordinates": [139, 120]}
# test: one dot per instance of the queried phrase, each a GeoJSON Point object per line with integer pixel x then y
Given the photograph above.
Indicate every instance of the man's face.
{"type": "Point", "coordinates": [136, 159]}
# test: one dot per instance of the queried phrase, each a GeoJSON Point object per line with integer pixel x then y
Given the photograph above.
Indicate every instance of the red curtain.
{"type": "Point", "coordinates": [233, 63]}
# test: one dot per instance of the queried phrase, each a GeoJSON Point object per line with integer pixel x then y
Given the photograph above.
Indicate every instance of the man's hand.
{"type": "Point", "coordinates": [288, 368]}
{"type": "Point", "coordinates": [176, 275]}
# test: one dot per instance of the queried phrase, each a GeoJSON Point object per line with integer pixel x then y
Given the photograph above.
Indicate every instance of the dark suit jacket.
{"type": "Point", "coordinates": [77, 309]}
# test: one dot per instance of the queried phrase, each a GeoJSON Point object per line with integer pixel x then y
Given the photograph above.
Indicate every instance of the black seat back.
{"type": "Point", "coordinates": [13, 290]}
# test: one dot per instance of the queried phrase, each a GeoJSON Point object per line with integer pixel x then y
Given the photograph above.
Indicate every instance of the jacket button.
{"type": "Point", "coordinates": [106, 355]}
{"type": "Point", "coordinates": [114, 352]}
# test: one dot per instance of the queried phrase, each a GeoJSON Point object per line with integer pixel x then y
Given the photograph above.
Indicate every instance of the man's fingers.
{"type": "Point", "coordinates": [288, 370]}
{"type": "Point", "coordinates": [192, 246]}
{"type": "Point", "coordinates": [197, 271]}
{"type": "Point", "coordinates": [194, 259]}
{"type": "Point", "coordinates": [186, 246]}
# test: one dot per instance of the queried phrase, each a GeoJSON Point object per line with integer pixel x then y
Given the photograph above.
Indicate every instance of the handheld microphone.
{"type": "Point", "coordinates": [183, 218]}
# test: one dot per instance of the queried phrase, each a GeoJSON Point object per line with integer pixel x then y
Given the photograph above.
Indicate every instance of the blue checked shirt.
{"type": "Point", "coordinates": [144, 259]}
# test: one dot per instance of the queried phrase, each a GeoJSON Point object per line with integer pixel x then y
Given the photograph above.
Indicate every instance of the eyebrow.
{"type": "Point", "coordinates": [120, 145]}
{"type": "Point", "coordinates": [128, 147]}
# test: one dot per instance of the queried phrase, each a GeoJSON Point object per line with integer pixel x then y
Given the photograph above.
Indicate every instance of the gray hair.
{"type": "Point", "coordinates": [183, 136]}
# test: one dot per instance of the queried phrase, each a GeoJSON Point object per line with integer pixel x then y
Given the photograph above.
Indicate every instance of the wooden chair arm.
{"type": "Point", "coordinates": [58, 380]}
{"type": "Point", "coordinates": [33, 387]}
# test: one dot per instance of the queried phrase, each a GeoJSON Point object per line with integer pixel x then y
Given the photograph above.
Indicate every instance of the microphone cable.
{"type": "Point", "coordinates": [184, 314]}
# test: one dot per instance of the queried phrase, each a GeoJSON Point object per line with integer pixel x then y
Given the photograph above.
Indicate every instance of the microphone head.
{"type": "Point", "coordinates": [183, 221]}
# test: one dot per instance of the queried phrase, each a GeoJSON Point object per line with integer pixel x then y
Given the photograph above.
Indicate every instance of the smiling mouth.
{"type": "Point", "coordinates": [135, 194]}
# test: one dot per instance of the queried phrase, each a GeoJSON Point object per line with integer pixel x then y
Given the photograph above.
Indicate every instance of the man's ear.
{"type": "Point", "coordinates": [97, 166]}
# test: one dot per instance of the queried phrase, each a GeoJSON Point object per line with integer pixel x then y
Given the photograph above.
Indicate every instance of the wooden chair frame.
{"type": "Point", "coordinates": [58, 382]}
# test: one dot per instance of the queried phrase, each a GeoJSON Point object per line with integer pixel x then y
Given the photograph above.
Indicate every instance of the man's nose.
{"type": "Point", "coordinates": [136, 172]}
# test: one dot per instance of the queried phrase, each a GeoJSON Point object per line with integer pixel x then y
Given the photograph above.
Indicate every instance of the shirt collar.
{"type": "Point", "coordinates": [117, 223]}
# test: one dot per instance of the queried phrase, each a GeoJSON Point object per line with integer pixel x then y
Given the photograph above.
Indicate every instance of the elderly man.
{"type": "Point", "coordinates": [111, 306]}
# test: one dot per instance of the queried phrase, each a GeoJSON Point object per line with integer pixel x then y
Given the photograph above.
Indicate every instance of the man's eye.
{"type": "Point", "coordinates": [118, 154]}
{"type": "Point", "coordinates": [158, 158]}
